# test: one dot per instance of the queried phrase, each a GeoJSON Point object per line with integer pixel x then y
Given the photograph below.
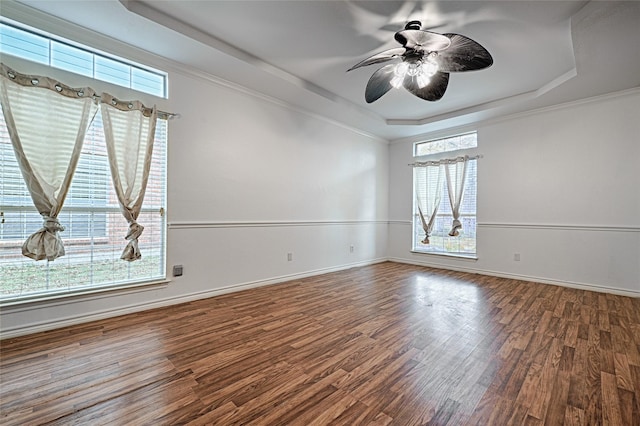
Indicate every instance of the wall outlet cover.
{"type": "Point", "coordinates": [178, 270]}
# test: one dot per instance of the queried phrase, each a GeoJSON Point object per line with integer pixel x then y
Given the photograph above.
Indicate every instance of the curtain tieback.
{"type": "Point", "coordinates": [52, 224]}
{"type": "Point", "coordinates": [455, 227]}
{"type": "Point", "coordinates": [135, 230]}
{"type": "Point", "coordinates": [132, 252]}
{"type": "Point", "coordinates": [426, 238]}
{"type": "Point", "coordinates": [46, 242]}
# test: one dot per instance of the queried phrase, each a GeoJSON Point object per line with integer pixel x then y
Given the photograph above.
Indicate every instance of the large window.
{"type": "Point", "coordinates": [440, 242]}
{"type": "Point", "coordinates": [94, 226]}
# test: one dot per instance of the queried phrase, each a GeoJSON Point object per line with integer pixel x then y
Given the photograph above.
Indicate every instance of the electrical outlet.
{"type": "Point", "coordinates": [289, 257]}
{"type": "Point", "coordinates": [516, 257]}
{"type": "Point", "coordinates": [351, 248]}
{"type": "Point", "coordinates": [178, 270]}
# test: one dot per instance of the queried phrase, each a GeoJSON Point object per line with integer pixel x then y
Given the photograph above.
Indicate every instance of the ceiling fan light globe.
{"type": "Point", "coordinates": [401, 69]}
{"type": "Point", "coordinates": [396, 81]}
{"type": "Point", "coordinates": [429, 67]}
{"type": "Point", "coordinates": [422, 80]}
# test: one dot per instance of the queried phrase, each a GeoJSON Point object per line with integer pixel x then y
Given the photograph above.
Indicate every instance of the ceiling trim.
{"type": "Point", "coordinates": [475, 125]}
{"type": "Point", "coordinates": [48, 23]}
{"type": "Point", "coordinates": [491, 105]}
{"type": "Point", "coordinates": [146, 11]}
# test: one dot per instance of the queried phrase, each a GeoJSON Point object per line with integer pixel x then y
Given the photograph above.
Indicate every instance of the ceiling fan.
{"type": "Point", "coordinates": [423, 63]}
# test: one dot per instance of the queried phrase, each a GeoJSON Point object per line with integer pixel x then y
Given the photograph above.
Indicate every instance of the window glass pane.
{"type": "Point", "coordinates": [88, 262]}
{"type": "Point", "coordinates": [11, 184]}
{"type": "Point", "coordinates": [24, 44]}
{"type": "Point", "coordinates": [112, 71]}
{"type": "Point", "coordinates": [79, 59]}
{"type": "Point", "coordinates": [71, 59]}
{"type": "Point", "coordinates": [453, 143]}
{"type": "Point", "coordinates": [94, 226]}
{"type": "Point", "coordinates": [470, 140]}
{"type": "Point", "coordinates": [148, 82]}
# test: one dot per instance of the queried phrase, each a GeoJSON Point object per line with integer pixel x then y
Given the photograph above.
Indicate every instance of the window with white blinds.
{"type": "Point", "coordinates": [94, 227]}
{"type": "Point", "coordinates": [439, 241]}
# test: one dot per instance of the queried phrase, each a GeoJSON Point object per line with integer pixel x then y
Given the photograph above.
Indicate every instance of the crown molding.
{"type": "Point", "coordinates": [491, 105]}
{"type": "Point", "coordinates": [56, 26]}
{"type": "Point", "coordinates": [537, 111]}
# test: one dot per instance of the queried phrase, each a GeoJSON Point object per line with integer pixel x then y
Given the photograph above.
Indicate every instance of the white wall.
{"type": "Point", "coordinates": [249, 180]}
{"type": "Point", "coordinates": [560, 186]}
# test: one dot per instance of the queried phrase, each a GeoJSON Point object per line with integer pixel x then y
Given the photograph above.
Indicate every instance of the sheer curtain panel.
{"type": "Point", "coordinates": [456, 174]}
{"type": "Point", "coordinates": [47, 122]}
{"type": "Point", "coordinates": [429, 198]}
{"type": "Point", "coordinates": [129, 130]}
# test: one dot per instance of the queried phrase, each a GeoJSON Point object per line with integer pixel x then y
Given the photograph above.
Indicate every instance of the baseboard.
{"type": "Point", "coordinates": [569, 284]}
{"type": "Point", "coordinates": [110, 313]}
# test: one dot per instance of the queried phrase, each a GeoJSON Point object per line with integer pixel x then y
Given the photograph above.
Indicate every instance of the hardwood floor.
{"type": "Point", "coordinates": [382, 344]}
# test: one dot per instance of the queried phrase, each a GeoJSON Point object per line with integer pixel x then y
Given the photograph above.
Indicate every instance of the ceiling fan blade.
{"type": "Point", "coordinates": [463, 54]}
{"type": "Point", "coordinates": [432, 91]}
{"type": "Point", "coordinates": [379, 83]}
{"type": "Point", "coordinates": [422, 40]}
{"type": "Point", "coordinates": [381, 57]}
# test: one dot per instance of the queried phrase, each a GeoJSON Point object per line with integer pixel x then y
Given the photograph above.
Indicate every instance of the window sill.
{"type": "Point", "coordinates": [470, 257]}
{"type": "Point", "coordinates": [83, 293]}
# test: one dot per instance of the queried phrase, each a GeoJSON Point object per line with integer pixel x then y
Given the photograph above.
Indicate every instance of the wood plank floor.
{"type": "Point", "coordinates": [376, 345]}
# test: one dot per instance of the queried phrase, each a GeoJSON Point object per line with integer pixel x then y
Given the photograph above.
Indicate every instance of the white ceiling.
{"type": "Point", "coordinates": [545, 52]}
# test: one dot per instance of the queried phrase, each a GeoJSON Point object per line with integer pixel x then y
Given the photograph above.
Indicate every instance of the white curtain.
{"type": "Point", "coordinates": [429, 196]}
{"type": "Point", "coordinates": [456, 174]}
{"type": "Point", "coordinates": [47, 122]}
{"type": "Point", "coordinates": [129, 130]}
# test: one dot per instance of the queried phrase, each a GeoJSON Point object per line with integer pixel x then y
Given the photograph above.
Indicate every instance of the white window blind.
{"type": "Point", "coordinates": [94, 226]}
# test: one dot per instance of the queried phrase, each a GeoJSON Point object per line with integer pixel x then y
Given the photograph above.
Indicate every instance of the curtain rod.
{"type": "Point", "coordinates": [50, 83]}
{"type": "Point", "coordinates": [445, 161]}
{"type": "Point", "coordinates": [168, 115]}
{"type": "Point", "coordinates": [161, 114]}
